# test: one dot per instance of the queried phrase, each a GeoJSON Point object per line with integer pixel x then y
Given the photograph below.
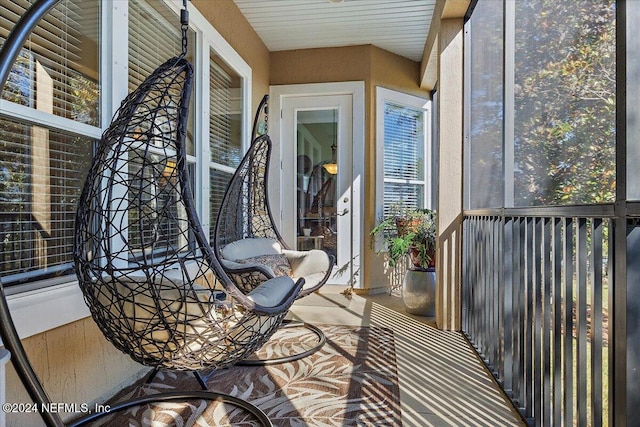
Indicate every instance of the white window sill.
{"type": "Point", "coordinates": [40, 310]}
{"type": "Point", "coordinates": [45, 308]}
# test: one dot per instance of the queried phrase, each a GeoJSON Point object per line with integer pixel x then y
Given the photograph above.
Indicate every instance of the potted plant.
{"type": "Point", "coordinates": [408, 231]}
{"type": "Point", "coordinates": [412, 231]}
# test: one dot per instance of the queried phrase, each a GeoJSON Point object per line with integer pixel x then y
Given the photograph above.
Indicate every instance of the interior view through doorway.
{"type": "Point", "coordinates": [317, 179]}
{"type": "Point", "coordinates": [316, 176]}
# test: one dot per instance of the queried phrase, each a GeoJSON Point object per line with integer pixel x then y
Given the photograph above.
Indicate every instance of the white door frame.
{"type": "Point", "coordinates": [277, 175]}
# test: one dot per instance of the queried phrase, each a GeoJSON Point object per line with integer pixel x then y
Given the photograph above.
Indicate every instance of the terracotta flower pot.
{"type": "Point", "coordinates": [414, 256]}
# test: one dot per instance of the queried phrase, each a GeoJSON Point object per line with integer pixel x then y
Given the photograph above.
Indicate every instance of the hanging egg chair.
{"type": "Point", "coordinates": [248, 242]}
{"type": "Point", "coordinates": [152, 284]}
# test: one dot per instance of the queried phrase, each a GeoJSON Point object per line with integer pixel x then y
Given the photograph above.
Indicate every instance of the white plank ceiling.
{"type": "Point", "coordinates": [399, 26]}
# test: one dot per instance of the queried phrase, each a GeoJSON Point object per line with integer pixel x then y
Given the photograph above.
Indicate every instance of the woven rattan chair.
{"type": "Point", "coordinates": [246, 239]}
{"type": "Point", "coordinates": [148, 275]}
{"type": "Point", "coordinates": [152, 283]}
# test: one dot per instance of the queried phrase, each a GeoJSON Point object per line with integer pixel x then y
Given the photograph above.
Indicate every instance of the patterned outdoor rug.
{"type": "Point", "coordinates": [351, 381]}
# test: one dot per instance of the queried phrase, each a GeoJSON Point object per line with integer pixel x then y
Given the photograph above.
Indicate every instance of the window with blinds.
{"type": "Point", "coordinates": [41, 176]}
{"type": "Point", "coordinates": [404, 156]}
{"type": "Point", "coordinates": [57, 70]}
{"type": "Point", "coordinates": [42, 170]}
{"type": "Point", "coordinates": [154, 37]}
{"type": "Point", "coordinates": [225, 130]}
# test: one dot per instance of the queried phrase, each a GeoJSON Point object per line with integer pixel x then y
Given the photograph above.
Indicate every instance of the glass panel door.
{"type": "Point", "coordinates": [316, 191]}
{"type": "Point", "coordinates": [317, 170]}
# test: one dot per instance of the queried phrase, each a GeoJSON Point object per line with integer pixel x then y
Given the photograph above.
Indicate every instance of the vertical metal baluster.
{"type": "Point", "coordinates": [476, 283]}
{"type": "Point", "coordinates": [473, 286]}
{"type": "Point", "coordinates": [495, 318]}
{"type": "Point", "coordinates": [610, 370]}
{"type": "Point", "coordinates": [482, 314]}
{"type": "Point", "coordinates": [518, 318]}
{"type": "Point", "coordinates": [473, 236]}
{"type": "Point", "coordinates": [485, 295]}
{"type": "Point", "coordinates": [537, 322]}
{"type": "Point", "coordinates": [499, 285]}
{"type": "Point", "coordinates": [508, 306]}
{"type": "Point", "coordinates": [568, 390]}
{"type": "Point", "coordinates": [596, 323]}
{"type": "Point", "coordinates": [472, 278]}
{"type": "Point", "coordinates": [557, 322]}
{"type": "Point", "coordinates": [491, 354]}
{"type": "Point", "coordinates": [546, 333]}
{"type": "Point", "coordinates": [465, 273]}
{"type": "Point", "coordinates": [528, 338]}
{"type": "Point", "coordinates": [522, 314]}
{"type": "Point", "coordinates": [581, 315]}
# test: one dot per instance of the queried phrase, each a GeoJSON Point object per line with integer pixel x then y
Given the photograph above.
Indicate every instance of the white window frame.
{"type": "Point", "coordinates": [387, 95]}
{"type": "Point", "coordinates": [36, 310]}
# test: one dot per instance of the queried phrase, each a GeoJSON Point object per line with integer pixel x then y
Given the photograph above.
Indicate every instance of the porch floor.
{"type": "Point", "coordinates": [442, 380]}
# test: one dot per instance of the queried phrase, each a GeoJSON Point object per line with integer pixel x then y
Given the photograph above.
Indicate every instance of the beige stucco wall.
{"type": "Point", "coordinates": [376, 67]}
{"type": "Point", "coordinates": [227, 19]}
{"type": "Point", "coordinates": [76, 364]}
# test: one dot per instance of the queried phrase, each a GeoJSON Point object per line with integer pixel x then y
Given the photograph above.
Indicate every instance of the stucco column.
{"type": "Point", "coordinates": [450, 107]}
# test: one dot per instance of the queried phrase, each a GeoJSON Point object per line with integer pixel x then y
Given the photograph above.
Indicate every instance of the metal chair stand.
{"type": "Point", "coordinates": [265, 318]}
{"type": "Point", "coordinates": [288, 323]}
{"type": "Point", "coordinates": [32, 384]}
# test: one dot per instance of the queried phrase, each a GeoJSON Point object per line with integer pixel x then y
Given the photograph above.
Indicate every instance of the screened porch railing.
{"type": "Point", "coordinates": [536, 303]}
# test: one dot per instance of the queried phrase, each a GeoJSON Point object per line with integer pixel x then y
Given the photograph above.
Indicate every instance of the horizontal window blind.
{"type": "Point", "coordinates": [41, 175]}
{"type": "Point", "coordinates": [404, 156]}
{"type": "Point", "coordinates": [57, 70]}
{"type": "Point", "coordinates": [410, 195]}
{"type": "Point", "coordinates": [218, 181]}
{"type": "Point", "coordinates": [403, 143]}
{"type": "Point", "coordinates": [225, 120]}
{"type": "Point", "coordinates": [154, 37]}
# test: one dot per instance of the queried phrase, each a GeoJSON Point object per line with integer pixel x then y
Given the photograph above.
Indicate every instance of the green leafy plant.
{"type": "Point", "coordinates": [408, 231]}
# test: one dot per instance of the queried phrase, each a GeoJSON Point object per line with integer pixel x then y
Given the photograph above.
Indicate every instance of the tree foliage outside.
{"type": "Point", "coordinates": [564, 102]}
{"type": "Point", "coordinates": [486, 119]}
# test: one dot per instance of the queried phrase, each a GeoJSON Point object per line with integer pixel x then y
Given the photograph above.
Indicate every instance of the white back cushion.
{"type": "Point", "coordinates": [247, 248]}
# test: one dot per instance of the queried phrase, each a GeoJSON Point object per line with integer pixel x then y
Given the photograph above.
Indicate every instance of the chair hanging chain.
{"type": "Point", "coordinates": [184, 22]}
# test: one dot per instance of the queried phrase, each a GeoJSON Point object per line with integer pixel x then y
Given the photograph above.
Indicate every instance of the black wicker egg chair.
{"type": "Point", "coordinates": [247, 241]}
{"type": "Point", "coordinates": [152, 283]}
{"type": "Point", "coordinates": [148, 275]}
